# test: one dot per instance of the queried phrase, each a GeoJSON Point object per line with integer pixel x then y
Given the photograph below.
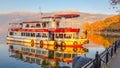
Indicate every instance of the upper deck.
{"type": "Point", "coordinates": [46, 22]}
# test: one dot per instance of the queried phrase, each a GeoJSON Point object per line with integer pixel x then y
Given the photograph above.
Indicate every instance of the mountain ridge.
{"type": "Point", "coordinates": [17, 17]}
{"type": "Point", "coordinates": [109, 24]}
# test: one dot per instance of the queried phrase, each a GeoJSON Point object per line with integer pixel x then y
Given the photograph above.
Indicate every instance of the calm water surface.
{"type": "Point", "coordinates": [17, 59]}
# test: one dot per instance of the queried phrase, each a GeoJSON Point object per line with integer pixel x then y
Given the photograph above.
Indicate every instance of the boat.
{"type": "Point", "coordinates": [47, 32]}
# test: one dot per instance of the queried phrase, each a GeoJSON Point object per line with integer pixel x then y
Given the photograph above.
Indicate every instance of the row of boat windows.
{"type": "Point", "coordinates": [31, 34]}
{"type": "Point", "coordinates": [45, 35]}
{"type": "Point", "coordinates": [63, 35]}
{"type": "Point", "coordinates": [41, 52]}
{"type": "Point", "coordinates": [36, 25]}
{"type": "Point", "coordinates": [65, 55]}
{"type": "Point", "coordinates": [44, 52]}
{"type": "Point", "coordinates": [33, 60]}
{"type": "Point", "coordinates": [34, 34]}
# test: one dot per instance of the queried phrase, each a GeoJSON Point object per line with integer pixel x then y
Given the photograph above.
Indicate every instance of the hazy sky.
{"type": "Point", "coordinates": [95, 6]}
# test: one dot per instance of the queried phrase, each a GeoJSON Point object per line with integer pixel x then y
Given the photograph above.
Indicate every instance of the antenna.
{"type": "Point", "coordinates": [40, 12]}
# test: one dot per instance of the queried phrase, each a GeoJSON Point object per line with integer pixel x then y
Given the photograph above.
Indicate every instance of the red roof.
{"type": "Point", "coordinates": [62, 30]}
{"type": "Point", "coordinates": [63, 15]}
{"type": "Point", "coordinates": [67, 15]}
{"type": "Point", "coordinates": [65, 30]}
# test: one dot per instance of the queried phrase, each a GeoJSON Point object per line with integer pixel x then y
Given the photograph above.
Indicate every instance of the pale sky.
{"type": "Point", "coordinates": [92, 6]}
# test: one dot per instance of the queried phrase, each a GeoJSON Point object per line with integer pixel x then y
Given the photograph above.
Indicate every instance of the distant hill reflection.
{"type": "Point", "coordinates": [103, 39]}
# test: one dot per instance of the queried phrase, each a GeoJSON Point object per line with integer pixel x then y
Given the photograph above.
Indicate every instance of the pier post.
{"type": "Point", "coordinates": [97, 62]}
{"type": "Point", "coordinates": [107, 56]}
{"type": "Point", "coordinates": [115, 46]}
{"type": "Point", "coordinates": [111, 52]}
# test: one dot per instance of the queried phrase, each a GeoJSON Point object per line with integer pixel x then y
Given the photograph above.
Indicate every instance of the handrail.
{"type": "Point", "coordinates": [104, 57]}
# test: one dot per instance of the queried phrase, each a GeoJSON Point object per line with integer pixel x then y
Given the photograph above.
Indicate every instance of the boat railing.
{"type": "Point", "coordinates": [104, 58]}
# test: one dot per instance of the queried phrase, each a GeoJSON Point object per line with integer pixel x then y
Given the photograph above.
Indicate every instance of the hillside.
{"type": "Point", "coordinates": [17, 17]}
{"type": "Point", "coordinates": [107, 24]}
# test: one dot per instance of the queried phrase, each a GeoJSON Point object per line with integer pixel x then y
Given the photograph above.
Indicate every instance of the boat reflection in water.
{"type": "Point", "coordinates": [45, 57]}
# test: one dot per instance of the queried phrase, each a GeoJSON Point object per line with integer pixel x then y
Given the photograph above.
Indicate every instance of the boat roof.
{"type": "Point", "coordinates": [68, 15]}
{"type": "Point", "coordinates": [65, 30]}
{"type": "Point", "coordinates": [63, 15]}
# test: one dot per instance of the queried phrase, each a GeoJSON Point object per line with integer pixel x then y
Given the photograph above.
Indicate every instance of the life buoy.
{"type": "Point", "coordinates": [55, 43]}
{"type": "Point", "coordinates": [75, 43]}
{"type": "Point", "coordinates": [86, 50]}
{"type": "Point", "coordinates": [32, 43]}
{"type": "Point", "coordinates": [41, 44]}
{"type": "Point", "coordinates": [63, 46]}
{"type": "Point", "coordinates": [55, 47]}
{"type": "Point", "coordinates": [75, 49]}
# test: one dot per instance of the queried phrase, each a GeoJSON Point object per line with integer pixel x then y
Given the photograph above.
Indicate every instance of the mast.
{"type": "Point", "coordinates": [40, 12]}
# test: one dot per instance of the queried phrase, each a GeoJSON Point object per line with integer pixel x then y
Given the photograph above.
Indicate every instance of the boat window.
{"type": "Point", "coordinates": [38, 25]}
{"type": "Point", "coordinates": [60, 35]}
{"type": "Point", "coordinates": [33, 50]}
{"type": "Point", "coordinates": [23, 49]}
{"type": "Point", "coordinates": [15, 33]}
{"type": "Point", "coordinates": [44, 25]}
{"type": "Point", "coordinates": [27, 58]}
{"type": "Point", "coordinates": [27, 50]}
{"type": "Point", "coordinates": [44, 52]}
{"type": "Point", "coordinates": [68, 36]}
{"type": "Point", "coordinates": [27, 25]}
{"type": "Point", "coordinates": [44, 35]}
{"type": "Point", "coordinates": [74, 36]}
{"type": "Point", "coordinates": [32, 34]}
{"type": "Point", "coordinates": [11, 33]}
{"type": "Point", "coordinates": [33, 60]}
{"type": "Point", "coordinates": [28, 34]}
{"type": "Point", "coordinates": [67, 55]}
{"type": "Point", "coordinates": [59, 54]}
{"type": "Point", "coordinates": [23, 34]}
{"type": "Point", "coordinates": [38, 35]}
{"type": "Point", "coordinates": [38, 51]}
{"type": "Point", "coordinates": [32, 25]}
{"type": "Point", "coordinates": [57, 35]}
{"type": "Point", "coordinates": [38, 61]}
{"type": "Point", "coordinates": [73, 55]}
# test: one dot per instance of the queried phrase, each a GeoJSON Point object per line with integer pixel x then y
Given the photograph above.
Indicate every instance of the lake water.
{"type": "Point", "coordinates": [13, 58]}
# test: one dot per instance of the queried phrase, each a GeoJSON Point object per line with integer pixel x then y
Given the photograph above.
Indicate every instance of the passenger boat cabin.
{"type": "Point", "coordinates": [46, 29]}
